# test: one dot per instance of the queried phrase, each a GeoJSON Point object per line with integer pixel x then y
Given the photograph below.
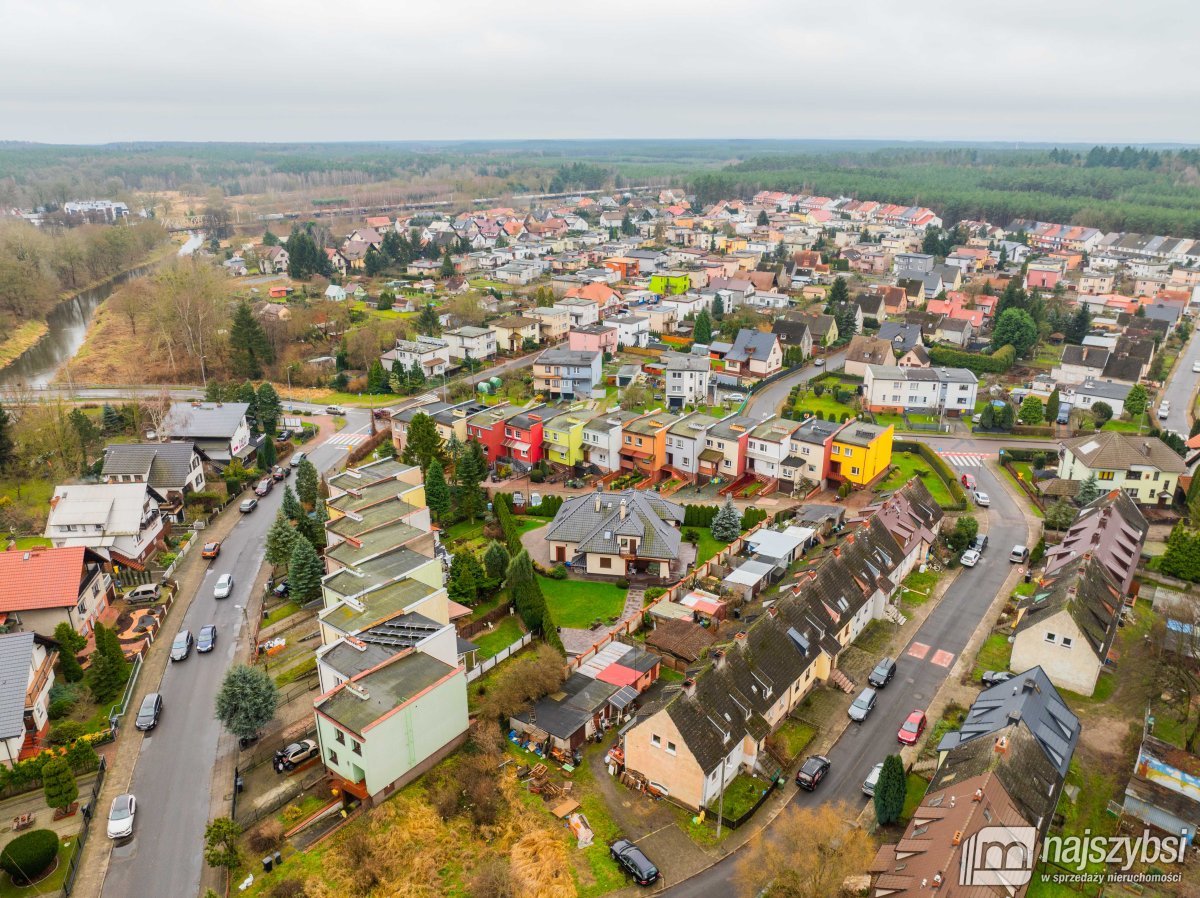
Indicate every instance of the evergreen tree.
{"type": "Point", "coordinates": [987, 418]}
{"type": "Point", "coordinates": [727, 525]}
{"type": "Point", "coordinates": [839, 292]}
{"type": "Point", "coordinates": [703, 330]}
{"type": "Point", "coordinates": [248, 343]}
{"type": "Point", "coordinates": [268, 409]}
{"type": "Point", "coordinates": [416, 376]}
{"type": "Point", "coordinates": [762, 221]}
{"type": "Point", "coordinates": [386, 300]}
{"type": "Point", "coordinates": [447, 269]}
{"type": "Point", "coordinates": [304, 572]}
{"type": "Point", "coordinates": [890, 790]}
{"type": "Point", "coordinates": [221, 846]}
{"type": "Point", "coordinates": [1013, 297]}
{"type": "Point", "coordinates": [1005, 416]}
{"type": "Point", "coordinates": [1182, 557]}
{"type": "Point", "coordinates": [437, 493]}
{"type": "Point", "coordinates": [106, 677]}
{"type": "Point", "coordinates": [247, 394]}
{"type": "Point", "coordinates": [86, 431]}
{"type": "Point", "coordinates": [70, 644]}
{"type": "Point", "coordinates": [1015, 328]}
{"type": "Point", "coordinates": [266, 454]}
{"type": "Point", "coordinates": [427, 321]}
{"type": "Point", "coordinates": [281, 539]}
{"type": "Point", "coordinates": [305, 258]}
{"type": "Point", "coordinates": [1079, 325]}
{"type": "Point", "coordinates": [269, 238]}
{"type": "Point", "coordinates": [308, 484]}
{"type": "Point", "coordinates": [58, 783]}
{"type": "Point", "coordinates": [398, 380]}
{"type": "Point", "coordinates": [1102, 412]}
{"type": "Point", "coordinates": [7, 446]}
{"type": "Point", "coordinates": [247, 700]}
{"type": "Point", "coordinates": [423, 443]}
{"type": "Point", "coordinates": [1003, 260]}
{"type": "Point", "coordinates": [496, 560]}
{"type": "Point", "coordinates": [374, 262]}
{"type": "Point", "coordinates": [1032, 412]}
{"type": "Point", "coordinates": [290, 506]}
{"type": "Point", "coordinates": [468, 475]}
{"type": "Point", "coordinates": [526, 593]}
{"type": "Point", "coordinates": [1136, 402]}
{"type": "Point", "coordinates": [377, 381]}
{"type": "Point", "coordinates": [1052, 405]}
{"type": "Point", "coordinates": [1089, 491]}
{"type": "Point", "coordinates": [718, 308]}
{"type": "Point", "coordinates": [110, 419]}
{"type": "Point", "coordinates": [463, 585]}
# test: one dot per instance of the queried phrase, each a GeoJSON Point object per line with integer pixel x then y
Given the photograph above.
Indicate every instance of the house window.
{"type": "Point", "coordinates": [356, 746]}
{"type": "Point", "coordinates": [332, 756]}
{"type": "Point", "coordinates": [639, 441]}
{"type": "Point", "coordinates": [849, 452]}
{"type": "Point", "coordinates": [1133, 475]}
{"type": "Point", "coordinates": [670, 748]}
{"type": "Point", "coordinates": [340, 737]}
{"type": "Point", "coordinates": [606, 563]}
{"type": "Point", "coordinates": [656, 741]}
{"type": "Point", "coordinates": [854, 470]}
{"type": "Point", "coordinates": [1104, 475]}
{"type": "Point", "coordinates": [1052, 637]}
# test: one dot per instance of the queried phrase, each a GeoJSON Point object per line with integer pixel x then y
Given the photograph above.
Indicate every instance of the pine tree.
{"type": "Point", "coordinates": [526, 594]}
{"type": "Point", "coordinates": [248, 342]}
{"type": "Point", "coordinates": [1032, 412]}
{"type": "Point", "coordinates": [111, 419]}
{"type": "Point", "coordinates": [247, 700]}
{"type": "Point", "coordinates": [496, 560]}
{"type": "Point", "coordinates": [727, 525]}
{"type": "Point", "coordinates": [108, 666]}
{"type": "Point", "coordinates": [416, 375]}
{"type": "Point", "coordinates": [290, 506]}
{"type": "Point", "coordinates": [281, 539]}
{"type": "Point", "coordinates": [890, 790]}
{"type": "Point", "coordinates": [463, 585]}
{"type": "Point", "coordinates": [70, 644]}
{"type": "Point", "coordinates": [447, 269]}
{"type": "Point", "coordinates": [1136, 402]}
{"type": "Point", "coordinates": [468, 475]}
{"type": "Point", "coordinates": [1052, 404]}
{"type": "Point", "coordinates": [423, 444]}
{"type": "Point", "coordinates": [703, 330]}
{"type": "Point", "coordinates": [377, 381]}
{"type": "Point", "coordinates": [398, 379]}
{"type": "Point", "coordinates": [268, 408]}
{"type": "Point", "coordinates": [269, 239]}
{"type": "Point", "coordinates": [839, 292]}
{"type": "Point", "coordinates": [7, 446]}
{"type": "Point", "coordinates": [427, 322]}
{"type": "Point", "coordinates": [247, 394]}
{"type": "Point", "coordinates": [307, 484]}
{"type": "Point", "coordinates": [437, 493]}
{"type": "Point", "coordinates": [1089, 491]}
{"type": "Point", "coordinates": [58, 783]}
{"type": "Point", "coordinates": [304, 572]}
{"type": "Point", "coordinates": [266, 454]}
{"type": "Point", "coordinates": [718, 308]}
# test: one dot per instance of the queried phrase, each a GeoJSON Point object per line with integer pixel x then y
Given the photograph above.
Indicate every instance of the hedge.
{"type": "Point", "coordinates": [939, 466]}
{"type": "Point", "coordinates": [28, 856]}
{"type": "Point", "coordinates": [699, 515]}
{"type": "Point", "coordinates": [549, 506]}
{"type": "Point", "coordinates": [996, 363]}
{"type": "Point", "coordinates": [502, 503]}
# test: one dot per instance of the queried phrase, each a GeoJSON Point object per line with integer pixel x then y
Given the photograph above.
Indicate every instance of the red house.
{"type": "Point", "coordinates": [508, 434]}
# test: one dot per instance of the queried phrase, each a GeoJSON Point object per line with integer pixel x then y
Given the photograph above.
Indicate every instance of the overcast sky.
{"type": "Point", "coordinates": [1104, 71]}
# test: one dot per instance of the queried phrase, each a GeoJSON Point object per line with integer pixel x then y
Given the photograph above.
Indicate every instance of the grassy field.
{"type": "Point", "coordinates": [495, 640]}
{"type": "Point", "coordinates": [994, 654]}
{"type": "Point", "coordinates": [708, 546]}
{"type": "Point", "coordinates": [795, 736]}
{"type": "Point", "coordinates": [287, 609]}
{"type": "Point", "coordinates": [576, 603]}
{"type": "Point", "coordinates": [21, 338]}
{"type": "Point", "coordinates": [909, 465]}
{"type": "Point", "coordinates": [825, 404]}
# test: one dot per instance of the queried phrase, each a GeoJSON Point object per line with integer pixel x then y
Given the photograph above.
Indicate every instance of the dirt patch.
{"type": "Point", "coordinates": [1104, 737]}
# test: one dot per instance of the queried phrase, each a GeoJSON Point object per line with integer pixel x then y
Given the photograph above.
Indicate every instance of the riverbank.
{"type": "Point", "coordinates": [21, 340]}
{"type": "Point", "coordinates": [113, 354]}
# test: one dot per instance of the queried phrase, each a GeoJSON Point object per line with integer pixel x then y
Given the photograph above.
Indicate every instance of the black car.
{"type": "Point", "coordinates": [634, 861]}
{"type": "Point", "coordinates": [147, 717]}
{"type": "Point", "coordinates": [208, 638]}
{"type": "Point", "coordinates": [883, 673]}
{"type": "Point", "coordinates": [812, 771]}
{"type": "Point", "coordinates": [979, 543]}
{"type": "Point", "coordinates": [182, 646]}
{"type": "Point", "coordinates": [992, 678]}
{"type": "Point", "coordinates": [281, 588]}
{"type": "Point", "coordinates": [288, 759]}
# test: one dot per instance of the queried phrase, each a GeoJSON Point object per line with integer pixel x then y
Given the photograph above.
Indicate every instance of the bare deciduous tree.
{"type": "Point", "coordinates": [809, 853]}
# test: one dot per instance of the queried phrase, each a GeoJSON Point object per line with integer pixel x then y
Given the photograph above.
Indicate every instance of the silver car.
{"type": "Point", "coordinates": [120, 817]}
{"type": "Point", "coordinates": [224, 586]}
{"type": "Point", "coordinates": [863, 705]}
{"type": "Point", "coordinates": [872, 780]}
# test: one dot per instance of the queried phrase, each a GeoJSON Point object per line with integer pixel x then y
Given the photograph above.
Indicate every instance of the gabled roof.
{"type": "Point", "coordinates": [756, 345]}
{"type": "Point", "coordinates": [204, 420]}
{"type": "Point", "coordinates": [16, 659]}
{"type": "Point", "coordinates": [870, 350]}
{"type": "Point", "coordinates": [684, 639]}
{"type": "Point", "coordinates": [41, 578]}
{"type": "Point", "coordinates": [1109, 450]}
{"type": "Point", "coordinates": [163, 465]}
{"type": "Point", "coordinates": [595, 522]}
{"type": "Point", "coordinates": [1087, 592]}
{"type": "Point", "coordinates": [1112, 529]}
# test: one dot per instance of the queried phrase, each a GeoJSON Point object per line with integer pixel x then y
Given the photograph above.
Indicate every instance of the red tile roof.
{"type": "Point", "coordinates": [44, 578]}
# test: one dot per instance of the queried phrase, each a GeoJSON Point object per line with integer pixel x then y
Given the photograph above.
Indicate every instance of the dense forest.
{"type": "Point", "coordinates": [1120, 189]}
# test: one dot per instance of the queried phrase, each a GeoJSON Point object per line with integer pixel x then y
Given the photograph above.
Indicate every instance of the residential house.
{"type": "Point", "coordinates": [582, 311]}
{"type": "Point", "coordinates": [568, 374]}
{"type": "Point", "coordinates": [563, 436]}
{"type": "Point", "coordinates": [602, 439]}
{"type": "Point", "coordinates": [1143, 467]}
{"type": "Point", "coordinates": [173, 469]}
{"type": "Point", "coordinates": [860, 452]}
{"type": "Point", "coordinates": [1088, 393]}
{"type": "Point", "coordinates": [1080, 364]}
{"type": "Point", "coordinates": [41, 588]}
{"type": "Point", "coordinates": [644, 442]}
{"type": "Point", "coordinates": [809, 451]}
{"type": "Point", "coordinates": [273, 260]}
{"type": "Point", "coordinates": [943, 391]}
{"type": "Point", "coordinates": [901, 335]}
{"type": "Point", "coordinates": [430, 354]}
{"type": "Point", "coordinates": [517, 333]}
{"type": "Point", "coordinates": [632, 330]}
{"type": "Point", "coordinates": [335, 293]}
{"type": "Point", "coordinates": [955, 331]}
{"type": "Point", "coordinates": [724, 452]}
{"type": "Point", "coordinates": [618, 534]}
{"type": "Point", "coordinates": [663, 319]}
{"type": "Point", "coordinates": [450, 419]}
{"type": "Point", "coordinates": [607, 299]}
{"type": "Point", "coordinates": [514, 435]}
{"type": "Point", "coordinates": [553, 323]}
{"type": "Point", "coordinates": [594, 338]}
{"type": "Point", "coordinates": [121, 521]}
{"type": "Point", "coordinates": [685, 442]}
{"type": "Point", "coordinates": [1069, 623]}
{"type": "Point", "coordinates": [754, 354]}
{"type": "Point", "coordinates": [687, 380]}
{"type": "Point", "coordinates": [874, 311]}
{"type": "Point", "coordinates": [823, 327]}
{"type": "Point", "coordinates": [794, 331]}
{"type": "Point", "coordinates": [27, 660]}
{"type": "Point", "coordinates": [235, 267]}
{"type": "Point", "coordinates": [218, 429]}
{"type": "Point", "coordinates": [863, 351]}
{"type": "Point", "coordinates": [467, 342]}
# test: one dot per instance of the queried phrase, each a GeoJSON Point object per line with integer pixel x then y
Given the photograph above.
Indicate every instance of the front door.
{"type": "Point", "coordinates": [560, 553]}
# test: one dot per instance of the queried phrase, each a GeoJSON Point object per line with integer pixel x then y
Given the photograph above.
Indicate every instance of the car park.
{"type": "Point", "coordinates": [297, 458]}
{"type": "Point", "coordinates": [912, 728]}
{"type": "Point", "coordinates": [872, 780]}
{"type": "Point", "coordinates": [149, 712]}
{"type": "Point", "coordinates": [863, 705]}
{"type": "Point", "coordinates": [264, 486]}
{"type": "Point", "coordinates": [883, 673]}
{"type": "Point", "coordinates": [291, 757]}
{"type": "Point", "coordinates": [969, 558]}
{"type": "Point", "coordinates": [121, 815]}
{"type": "Point", "coordinates": [211, 550]}
{"type": "Point", "coordinates": [812, 771]}
{"type": "Point", "coordinates": [992, 678]}
{"type": "Point", "coordinates": [979, 543]}
{"type": "Point", "coordinates": [207, 640]}
{"type": "Point", "coordinates": [968, 481]}
{"type": "Point", "coordinates": [248, 505]}
{"type": "Point", "coordinates": [182, 646]}
{"type": "Point", "coordinates": [146, 592]}
{"type": "Point", "coordinates": [983, 500]}
{"type": "Point", "coordinates": [1019, 554]}
{"type": "Point", "coordinates": [224, 586]}
{"type": "Point", "coordinates": [634, 862]}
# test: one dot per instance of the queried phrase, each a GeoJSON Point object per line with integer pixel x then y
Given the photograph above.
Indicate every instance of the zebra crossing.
{"type": "Point", "coordinates": [964, 459]}
{"type": "Point", "coordinates": [346, 439]}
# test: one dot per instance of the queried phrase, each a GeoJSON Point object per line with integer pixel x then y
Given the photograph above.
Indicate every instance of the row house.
{"type": "Point", "coordinates": [724, 453]}
{"type": "Point", "coordinates": [515, 435]}
{"type": "Point", "coordinates": [567, 373]}
{"type": "Point", "coordinates": [686, 440]}
{"type": "Point", "coordinates": [449, 419]}
{"type": "Point", "coordinates": [602, 439]}
{"type": "Point", "coordinates": [644, 442]}
{"type": "Point", "coordinates": [564, 438]}
{"type": "Point", "coordinates": [687, 380]}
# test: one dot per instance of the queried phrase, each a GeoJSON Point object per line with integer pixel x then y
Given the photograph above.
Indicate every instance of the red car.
{"type": "Point", "coordinates": [968, 481]}
{"type": "Point", "coordinates": [211, 550]}
{"type": "Point", "coordinates": [912, 728]}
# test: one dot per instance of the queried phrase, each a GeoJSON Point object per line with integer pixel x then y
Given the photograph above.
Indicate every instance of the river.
{"type": "Point", "coordinates": [69, 323]}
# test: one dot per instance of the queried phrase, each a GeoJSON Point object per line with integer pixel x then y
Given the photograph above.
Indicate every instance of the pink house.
{"type": "Point", "coordinates": [593, 338]}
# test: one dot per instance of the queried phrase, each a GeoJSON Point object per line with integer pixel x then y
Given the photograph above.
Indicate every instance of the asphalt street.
{"type": "Point", "coordinates": [769, 399]}
{"type": "Point", "coordinates": [922, 668]}
{"type": "Point", "coordinates": [173, 778]}
{"type": "Point", "coordinates": [1179, 390]}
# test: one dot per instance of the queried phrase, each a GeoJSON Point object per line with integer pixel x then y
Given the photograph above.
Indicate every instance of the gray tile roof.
{"type": "Point", "coordinates": [597, 529]}
{"type": "Point", "coordinates": [752, 345]}
{"type": "Point", "coordinates": [204, 419]}
{"type": "Point", "coordinates": [163, 464]}
{"type": "Point", "coordinates": [1109, 450]}
{"type": "Point", "coordinates": [16, 656]}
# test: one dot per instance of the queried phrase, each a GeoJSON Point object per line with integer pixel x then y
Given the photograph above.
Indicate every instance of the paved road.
{"type": "Point", "coordinates": [1179, 390]}
{"type": "Point", "coordinates": [769, 399]}
{"type": "Point", "coordinates": [175, 765]}
{"type": "Point", "coordinates": [940, 639]}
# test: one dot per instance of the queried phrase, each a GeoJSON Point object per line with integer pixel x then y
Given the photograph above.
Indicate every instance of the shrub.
{"type": "Point", "coordinates": [536, 476]}
{"type": "Point", "coordinates": [654, 592]}
{"type": "Point", "coordinates": [267, 837]}
{"type": "Point", "coordinates": [66, 732]}
{"type": "Point", "coordinates": [558, 572]}
{"type": "Point", "coordinates": [622, 583]}
{"type": "Point", "coordinates": [28, 856]}
{"type": "Point", "coordinates": [691, 535]}
{"type": "Point", "coordinates": [289, 888]}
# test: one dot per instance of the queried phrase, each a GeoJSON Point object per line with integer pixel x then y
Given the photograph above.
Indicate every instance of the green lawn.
{"type": "Point", "coordinates": [1121, 426]}
{"type": "Point", "coordinates": [994, 654]}
{"type": "Point", "coordinates": [909, 465]}
{"type": "Point", "coordinates": [576, 603]}
{"type": "Point", "coordinates": [33, 542]}
{"type": "Point", "coordinates": [918, 587]}
{"type": "Point", "coordinates": [505, 633]}
{"type": "Point", "coordinates": [48, 886]}
{"type": "Point", "coordinates": [287, 609]}
{"type": "Point", "coordinates": [296, 671]}
{"type": "Point", "coordinates": [874, 637]}
{"type": "Point", "coordinates": [915, 787]}
{"type": "Point", "coordinates": [825, 404]}
{"type": "Point", "coordinates": [742, 794]}
{"type": "Point", "coordinates": [794, 736]}
{"type": "Point", "coordinates": [372, 310]}
{"type": "Point", "coordinates": [708, 546]}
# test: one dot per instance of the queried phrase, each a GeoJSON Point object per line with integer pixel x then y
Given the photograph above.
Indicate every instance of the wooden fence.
{"type": "Point", "coordinates": [467, 629]}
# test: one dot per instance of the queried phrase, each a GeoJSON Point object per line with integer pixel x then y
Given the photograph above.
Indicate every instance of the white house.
{"type": "Point", "coordinates": [950, 391]}
{"type": "Point", "coordinates": [474, 342]}
{"type": "Point", "coordinates": [632, 330]}
{"type": "Point", "coordinates": [1088, 393]}
{"type": "Point", "coordinates": [219, 429]}
{"type": "Point", "coordinates": [685, 442]}
{"type": "Point", "coordinates": [583, 312]}
{"type": "Point", "coordinates": [430, 353]}
{"type": "Point", "coordinates": [120, 520]}
{"type": "Point", "coordinates": [687, 378]}
{"type": "Point", "coordinates": [602, 439]}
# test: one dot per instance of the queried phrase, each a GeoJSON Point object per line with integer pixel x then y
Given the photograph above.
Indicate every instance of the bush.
{"type": "Point", "coordinates": [289, 888]}
{"type": "Point", "coordinates": [536, 476]}
{"type": "Point", "coordinates": [266, 838]}
{"type": "Point", "coordinates": [28, 856]}
{"type": "Point", "coordinates": [654, 592]}
{"type": "Point", "coordinates": [996, 363]}
{"type": "Point", "coordinates": [622, 583]}
{"type": "Point", "coordinates": [558, 572]}
{"type": "Point", "coordinates": [66, 732]}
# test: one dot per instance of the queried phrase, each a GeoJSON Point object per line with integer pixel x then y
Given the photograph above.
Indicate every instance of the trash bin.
{"type": "Point", "coordinates": [277, 857]}
{"type": "Point", "coordinates": [267, 863]}
{"type": "Point", "coordinates": [1029, 576]}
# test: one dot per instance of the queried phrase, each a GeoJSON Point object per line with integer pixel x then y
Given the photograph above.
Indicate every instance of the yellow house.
{"type": "Point", "coordinates": [563, 437]}
{"type": "Point", "coordinates": [860, 452]}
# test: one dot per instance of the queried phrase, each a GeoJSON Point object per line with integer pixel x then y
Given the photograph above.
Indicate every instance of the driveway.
{"type": "Point", "coordinates": [769, 399]}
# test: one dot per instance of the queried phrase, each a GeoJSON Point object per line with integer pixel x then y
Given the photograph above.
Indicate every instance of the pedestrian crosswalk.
{"type": "Point", "coordinates": [964, 459]}
{"type": "Point", "coordinates": [346, 439]}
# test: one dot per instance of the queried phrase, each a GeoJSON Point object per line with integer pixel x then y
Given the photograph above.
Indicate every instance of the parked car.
{"type": "Point", "coordinates": [1019, 554]}
{"type": "Point", "coordinates": [983, 500]}
{"type": "Point", "coordinates": [634, 862]}
{"type": "Point", "coordinates": [979, 543]}
{"type": "Point", "coordinates": [863, 705]}
{"type": "Point", "coordinates": [334, 410]}
{"type": "Point", "coordinates": [248, 505]}
{"type": "Point", "coordinates": [992, 678]}
{"type": "Point", "coordinates": [148, 713]}
{"type": "Point", "coordinates": [735, 397]}
{"type": "Point", "coordinates": [1064, 414]}
{"type": "Point", "coordinates": [872, 780]}
{"type": "Point", "coordinates": [812, 771]}
{"type": "Point", "coordinates": [968, 481]}
{"type": "Point", "coordinates": [146, 592]}
{"type": "Point", "coordinates": [281, 588]}
{"type": "Point", "coordinates": [287, 759]}
{"type": "Point", "coordinates": [969, 558]}
{"type": "Point", "coordinates": [278, 473]}
{"type": "Point", "coordinates": [1196, 367]}
{"type": "Point", "coordinates": [912, 728]}
{"type": "Point", "coordinates": [883, 673]}
{"type": "Point", "coordinates": [1164, 410]}
{"type": "Point", "coordinates": [284, 435]}
{"type": "Point", "coordinates": [297, 458]}
{"type": "Point", "coordinates": [211, 550]}
{"type": "Point", "coordinates": [820, 363]}
{"type": "Point", "coordinates": [264, 486]}
{"type": "Point", "coordinates": [182, 646]}
{"type": "Point", "coordinates": [207, 639]}
{"type": "Point", "coordinates": [121, 815]}
{"type": "Point", "coordinates": [224, 586]}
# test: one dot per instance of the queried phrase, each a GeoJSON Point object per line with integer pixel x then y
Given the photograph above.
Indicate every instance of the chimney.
{"type": "Point", "coordinates": [773, 611]}
{"type": "Point", "coordinates": [1002, 745]}
{"type": "Point", "coordinates": [957, 840]}
{"type": "Point", "coordinates": [739, 639]}
{"type": "Point", "coordinates": [978, 796]}
{"type": "Point", "coordinates": [1146, 448]}
{"type": "Point", "coordinates": [1029, 684]}
{"type": "Point", "coordinates": [937, 881]}
{"type": "Point", "coordinates": [624, 510]}
{"type": "Point", "coordinates": [718, 659]}
{"type": "Point", "coordinates": [597, 501]}
{"type": "Point", "coordinates": [689, 687]}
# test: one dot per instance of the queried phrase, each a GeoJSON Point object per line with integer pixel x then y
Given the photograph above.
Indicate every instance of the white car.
{"type": "Point", "coordinates": [1196, 367]}
{"type": "Point", "coordinates": [224, 586]}
{"type": "Point", "coordinates": [734, 397]}
{"type": "Point", "coordinates": [1164, 410]}
{"type": "Point", "coordinates": [983, 500]}
{"type": "Point", "coordinates": [820, 363]}
{"type": "Point", "coordinates": [120, 817]}
{"type": "Point", "coordinates": [970, 558]}
{"type": "Point", "coordinates": [872, 780]}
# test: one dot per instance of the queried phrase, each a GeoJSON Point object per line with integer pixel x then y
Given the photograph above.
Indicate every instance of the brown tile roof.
{"type": "Point", "coordinates": [42, 578]}
{"type": "Point", "coordinates": [681, 638]}
{"type": "Point", "coordinates": [1109, 450]}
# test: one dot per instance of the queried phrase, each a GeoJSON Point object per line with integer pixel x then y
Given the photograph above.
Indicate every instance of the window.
{"type": "Point", "coordinates": [837, 450]}
{"type": "Point", "coordinates": [1104, 475]}
{"type": "Point", "coordinates": [1051, 637]}
{"type": "Point", "coordinates": [849, 452]}
{"type": "Point", "coordinates": [639, 441]}
{"type": "Point", "coordinates": [356, 746]}
{"type": "Point", "coordinates": [656, 741]}
{"type": "Point", "coordinates": [332, 756]}
{"type": "Point", "coordinates": [854, 470]}
{"type": "Point", "coordinates": [606, 563]}
{"type": "Point", "coordinates": [1067, 642]}
{"type": "Point", "coordinates": [1133, 475]}
{"type": "Point", "coordinates": [670, 748]}
{"type": "Point", "coordinates": [340, 737]}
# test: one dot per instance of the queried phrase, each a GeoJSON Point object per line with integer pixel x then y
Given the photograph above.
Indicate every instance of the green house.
{"type": "Point", "coordinates": [672, 283]}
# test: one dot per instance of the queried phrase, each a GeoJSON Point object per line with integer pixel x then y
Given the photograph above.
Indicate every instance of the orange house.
{"type": "Point", "coordinates": [644, 442]}
{"type": "Point", "coordinates": [627, 268]}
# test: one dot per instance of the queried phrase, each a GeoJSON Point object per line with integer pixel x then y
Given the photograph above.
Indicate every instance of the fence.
{"type": "Point", "coordinates": [469, 628]}
{"type": "Point", "coordinates": [744, 818]}
{"type": "Point", "coordinates": [117, 711]}
{"type": "Point", "coordinates": [89, 812]}
{"type": "Point", "coordinates": [483, 667]}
